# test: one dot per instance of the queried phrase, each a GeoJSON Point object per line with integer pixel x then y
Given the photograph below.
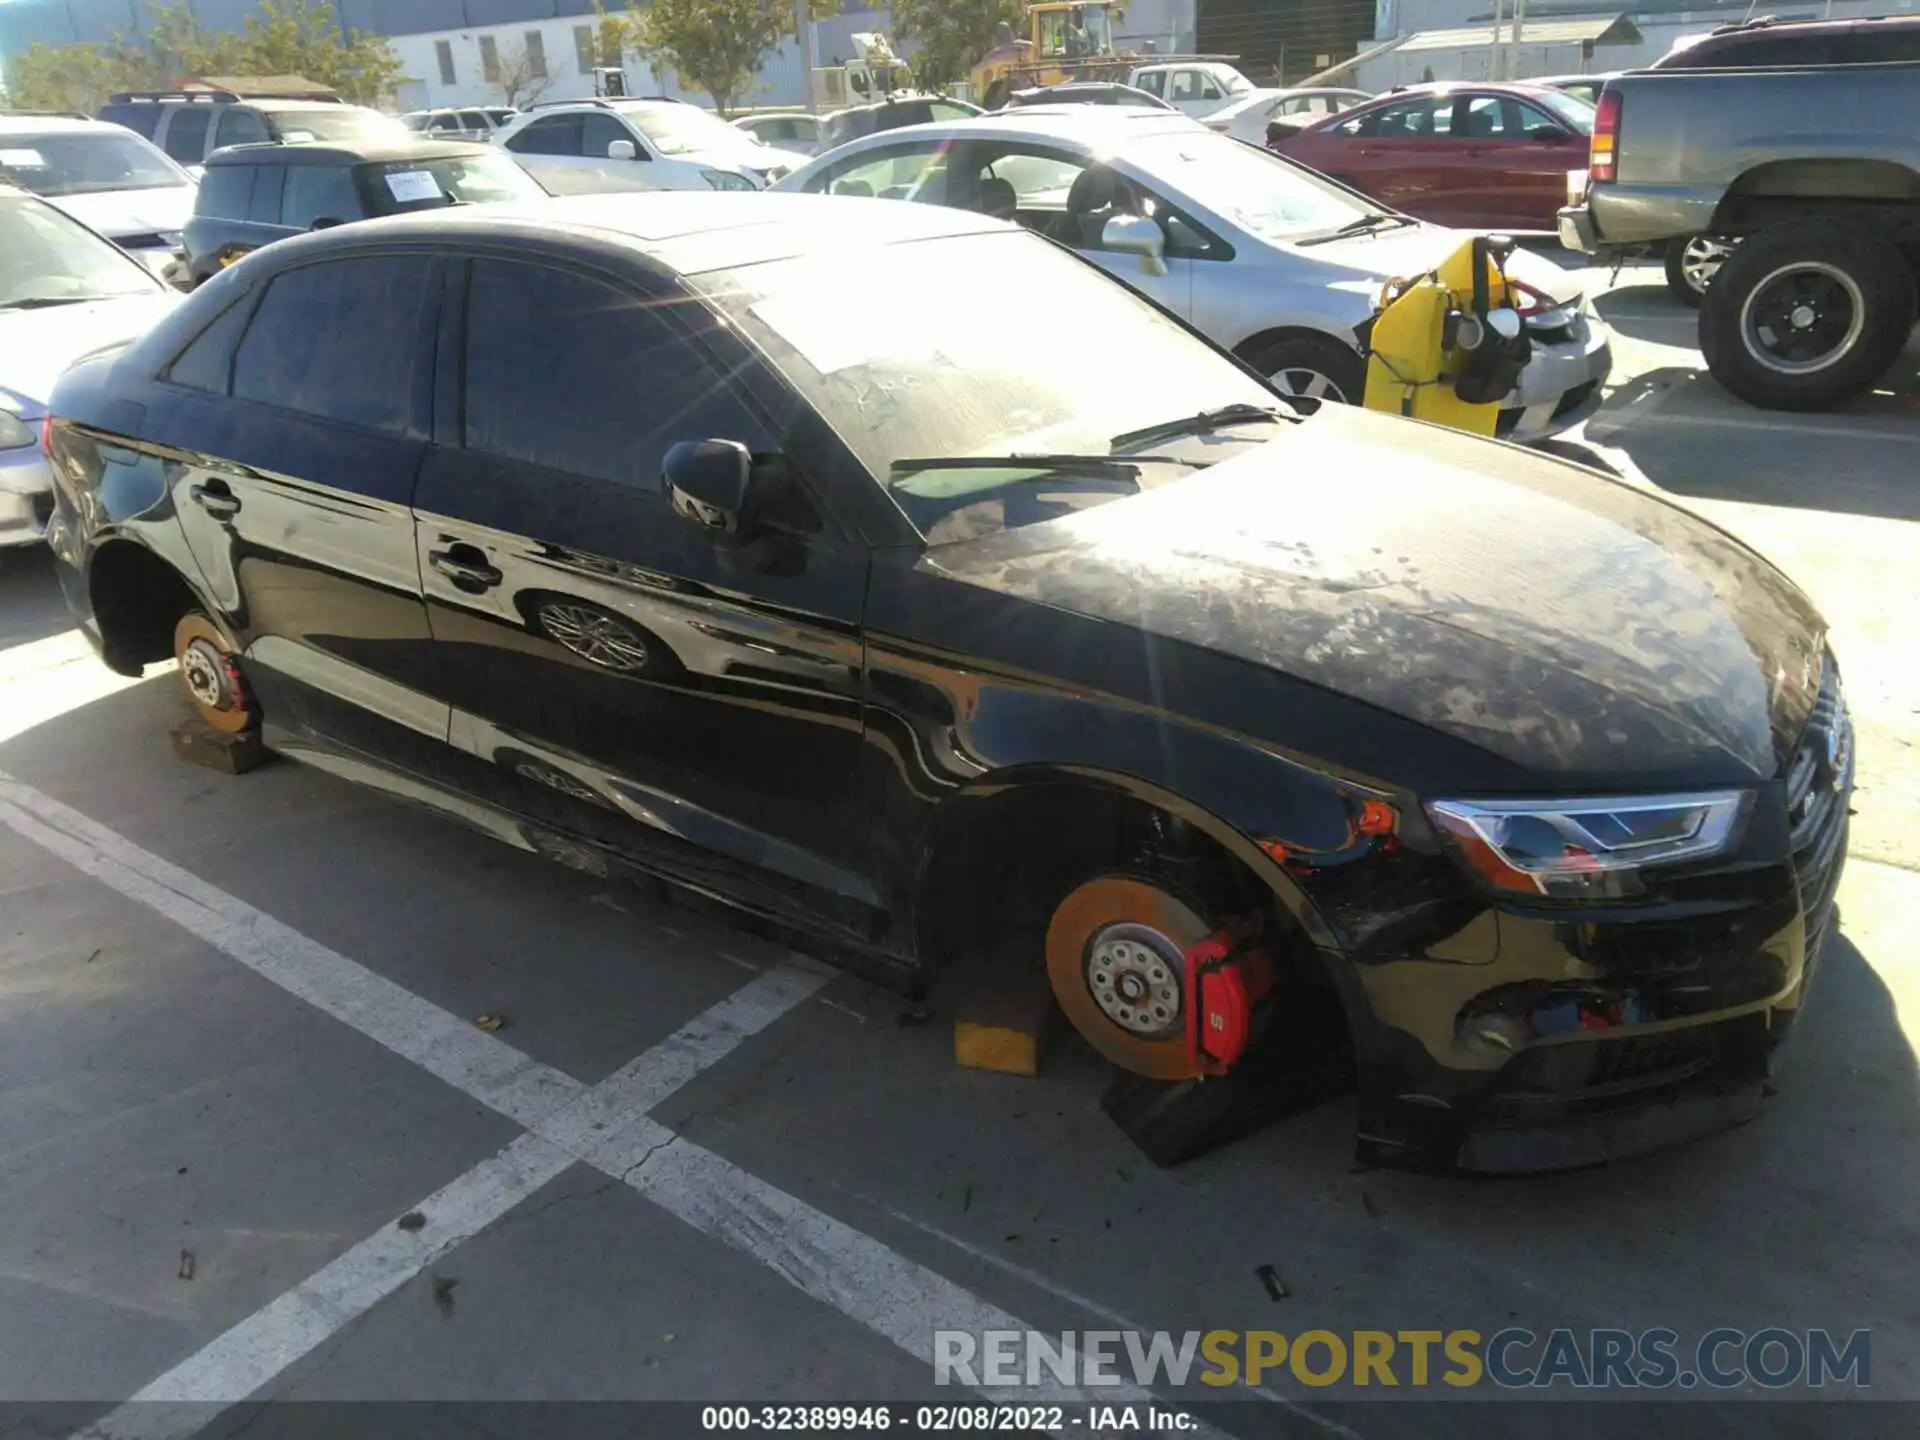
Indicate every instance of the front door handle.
{"type": "Point", "coordinates": [464, 573]}
{"type": "Point", "coordinates": [215, 499]}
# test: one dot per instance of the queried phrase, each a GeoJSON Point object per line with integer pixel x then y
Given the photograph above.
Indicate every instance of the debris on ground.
{"type": "Point", "coordinates": [966, 1198]}
{"type": "Point", "coordinates": [913, 1015]}
{"type": "Point", "coordinates": [91, 958]}
{"type": "Point", "coordinates": [1370, 1205]}
{"type": "Point", "coordinates": [490, 1022]}
{"type": "Point", "coordinates": [186, 1264]}
{"type": "Point", "coordinates": [443, 1294]}
{"type": "Point", "coordinates": [412, 1221]}
{"type": "Point", "coordinates": [1270, 1277]}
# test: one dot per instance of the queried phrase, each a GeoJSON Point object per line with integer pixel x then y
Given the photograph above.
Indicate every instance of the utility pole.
{"type": "Point", "coordinates": [1513, 41]}
{"type": "Point", "coordinates": [1494, 52]}
{"type": "Point", "coordinates": [804, 33]}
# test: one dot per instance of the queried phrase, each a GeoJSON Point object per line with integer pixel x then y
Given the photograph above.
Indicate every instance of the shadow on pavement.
{"type": "Point", "coordinates": [31, 607]}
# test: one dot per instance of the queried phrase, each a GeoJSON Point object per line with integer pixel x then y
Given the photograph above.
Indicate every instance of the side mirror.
{"type": "Point", "coordinates": [1137, 235]}
{"type": "Point", "coordinates": [1549, 135]}
{"type": "Point", "coordinates": [620, 150]}
{"type": "Point", "coordinates": [325, 222]}
{"type": "Point", "coordinates": [708, 481]}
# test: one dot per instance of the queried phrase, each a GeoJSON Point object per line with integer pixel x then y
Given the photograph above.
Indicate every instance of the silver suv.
{"type": "Point", "coordinates": [191, 124]}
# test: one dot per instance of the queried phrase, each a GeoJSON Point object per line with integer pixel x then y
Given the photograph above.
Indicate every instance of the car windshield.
{"type": "Point", "coordinates": [337, 123]}
{"type": "Point", "coordinates": [397, 187]}
{"type": "Point", "coordinates": [47, 258]}
{"type": "Point", "coordinates": [1570, 108]}
{"type": "Point", "coordinates": [941, 371]}
{"type": "Point", "coordinates": [84, 164]}
{"type": "Point", "coordinates": [1250, 186]}
{"type": "Point", "coordinates": [673, 128]}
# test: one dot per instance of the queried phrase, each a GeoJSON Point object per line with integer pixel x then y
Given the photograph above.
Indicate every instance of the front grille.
{"type": "Point", "coordinates": [147, 240]}
{"type": "Point", "coordinates": [1819, 779]}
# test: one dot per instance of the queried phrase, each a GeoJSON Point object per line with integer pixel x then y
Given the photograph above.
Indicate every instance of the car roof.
{"type": "Point", "coordinates": [1072, 122]}
{"type": "Point", "coordinates": [1442, 87]}
{"type": "Point", "coordinates": [687, 231]}
{"type": "Point", "coordinates": [55, 125]}
{"type": "Point", "coordinates": [337, 152]}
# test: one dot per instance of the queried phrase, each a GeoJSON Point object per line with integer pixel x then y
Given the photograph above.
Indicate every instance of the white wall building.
{"type": "Point", "coordinates": [463, 67]}
{"type": "Point", "coordinates": [1453, 39]}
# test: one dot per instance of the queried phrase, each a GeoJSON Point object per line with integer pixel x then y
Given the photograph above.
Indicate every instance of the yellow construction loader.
{"type": "Point", "coordinates": [1066, 40]}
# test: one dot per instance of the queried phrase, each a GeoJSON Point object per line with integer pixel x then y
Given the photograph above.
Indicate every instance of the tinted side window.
{"type": "Point", "coordinates": [141, 119]}
{"type": "Point", "coordinates": [599, 131]}
{"type": "Point", "coordinates": [224, 192]}
{"type": "Point", "coordinates": [570, 374]}
{"type": "Point", "coordinates": [1876, 44]}
{"type": "Point", "coordinates": [207, 363]}
{"type": "Point", "coordinates": [187, 133]}
{"type": "Point", "coordinates": [240, 127]}
{"type": "Point", "coordinates": [338, 340]}
{"type": "Point", "coordinates": [268, 181]}
{"type": "Point", "coordinates": [554, 135]}
{"type": "Point", "coordinates": [314, 191]}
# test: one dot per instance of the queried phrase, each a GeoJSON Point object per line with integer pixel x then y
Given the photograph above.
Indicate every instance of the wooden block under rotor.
{"type": "Point", "coordinates": [198, 743]}
{"type": "Point", "coordinates": [1005, 1027]}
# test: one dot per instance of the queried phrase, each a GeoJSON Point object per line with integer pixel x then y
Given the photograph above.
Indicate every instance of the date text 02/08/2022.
{"type": "Point", "coordinates": [946, 1419]}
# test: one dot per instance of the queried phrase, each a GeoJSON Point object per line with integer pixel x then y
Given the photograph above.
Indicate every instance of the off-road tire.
{"type": "Point", "coordinates": [1875, 283]}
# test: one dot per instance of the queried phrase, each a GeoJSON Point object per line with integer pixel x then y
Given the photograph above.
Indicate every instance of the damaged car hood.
{"type": "Point", "coordinates": [1554, 617]}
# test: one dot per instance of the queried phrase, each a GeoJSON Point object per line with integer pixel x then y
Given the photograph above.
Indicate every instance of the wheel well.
{"type": "Point", "coordinates": [1248, 348]}
{"type": "Point", "coordinates": [997, 863]}
{"type": "Point", "coordinates": [137, 600]}
{"type": "Point", "coordinates": [1813, 189]}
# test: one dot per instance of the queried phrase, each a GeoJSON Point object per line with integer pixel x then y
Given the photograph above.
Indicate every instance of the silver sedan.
{"type": "Point", "coordinates": [1268, 259]}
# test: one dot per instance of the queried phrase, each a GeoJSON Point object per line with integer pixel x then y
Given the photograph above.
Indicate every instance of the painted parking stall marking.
{"type": "Point", "coordinates": [605, 1126]}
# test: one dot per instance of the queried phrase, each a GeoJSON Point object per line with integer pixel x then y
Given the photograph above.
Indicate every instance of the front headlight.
{"type": "Point", "coordinates": [1587, 849]}
{"type": "Point", "coordinates": [15, 432]}
{"type": "Point", "coordinates": [727, 180]}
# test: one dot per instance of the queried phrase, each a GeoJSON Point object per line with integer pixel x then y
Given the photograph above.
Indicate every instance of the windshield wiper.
{"type": "Point", "coordinates": [1360, 225]}
{"type": "Point", "coordinates": [1095, 464]}
{"type": "Point", "coordinates": [1201, 424]}
{"type": "Point", "coordinates": [43, 302]}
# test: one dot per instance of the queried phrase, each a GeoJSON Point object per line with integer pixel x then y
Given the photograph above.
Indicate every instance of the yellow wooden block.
{"type": "Point", "coordinates": [1004, 1029]}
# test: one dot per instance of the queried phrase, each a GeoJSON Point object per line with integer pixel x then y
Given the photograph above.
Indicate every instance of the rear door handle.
{"type": "Point", "coordinates": [464, 573]}
{"type": "Point", "coordinates": [215, 499]}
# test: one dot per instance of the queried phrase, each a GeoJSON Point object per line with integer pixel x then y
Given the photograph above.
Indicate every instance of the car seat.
{"type": "Point", "coordinates": [997, 198]}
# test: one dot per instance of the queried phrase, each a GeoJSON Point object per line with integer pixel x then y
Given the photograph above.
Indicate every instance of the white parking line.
{"type": "Point", "coordinates": [605, 1126]}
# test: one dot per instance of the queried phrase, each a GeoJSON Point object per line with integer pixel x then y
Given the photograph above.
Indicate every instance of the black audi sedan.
{"type": "Point", "coordinates": [632, 529]}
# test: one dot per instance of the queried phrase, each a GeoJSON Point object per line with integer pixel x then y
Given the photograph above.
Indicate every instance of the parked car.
{"type": "Point", "coordinates": [1196, 88]}
{"type": "Point", "coordinates": [1581, 87]}
{"type": "Point", "coordinates": [64, 292]}
{"type": "Point", "coordinates": [253, 195]}
{"type": "Point", "coordinates": [1770, 42]}
{"type": "Point", "coordinates": [1543, 778]}
{"type": "Point", "coordinates": [1261, 255]}
{"type": "Point", "coordinates": [190, 125]}
{"type": "Point", "coordinates": [1476, 156]}
{"type": "Point", "coordinates": [114, 183]}
{"type": "Point", "coordinates": [1819, 298]}
{"type": "Point", "coordinates": [576, 147]}
{"type": "Point", "coordinates": [1263, 115]}
{"type": "Point", "coordinates": [472, 123]}
{"type": "Point", "coordinates": [1086, 92]}
{"type": "Point", "coordinates": [894, 113]}
{"type": "Point", "coordinates": [798, 132]}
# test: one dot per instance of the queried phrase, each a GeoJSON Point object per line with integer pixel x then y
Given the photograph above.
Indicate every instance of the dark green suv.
{"type": "Point", "coordinates": [253, 195]}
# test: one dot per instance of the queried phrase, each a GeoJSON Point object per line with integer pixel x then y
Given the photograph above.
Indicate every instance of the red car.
{"type": "Point", "coordinates": [1476, 156]}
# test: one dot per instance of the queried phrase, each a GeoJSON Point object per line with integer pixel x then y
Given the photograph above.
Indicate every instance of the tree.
{"type": "Point", "coordinates": [285, 37]}
{"type": "Point", "coordinates": [951, 35]}
{"type": "Point", "coordinates": [714, 45]}
{"type": "Point", "coordinates": [521, 76]}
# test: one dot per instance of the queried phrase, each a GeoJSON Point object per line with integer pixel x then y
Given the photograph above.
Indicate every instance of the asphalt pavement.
{"type": "Point", "coordinates": [254, 1145]}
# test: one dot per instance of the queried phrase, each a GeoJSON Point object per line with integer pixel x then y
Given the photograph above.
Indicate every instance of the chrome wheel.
{"type": "Point", "coordinates": [1701, 259]}
{"type": "Point", "coordinates": [1133, 973]}
{"type": "Point", "coordinates": [595, 636]}
{"type": "Point", "coordinates": [1297, 382]}
{"type": "Point", "coordinates": [1802, 317]}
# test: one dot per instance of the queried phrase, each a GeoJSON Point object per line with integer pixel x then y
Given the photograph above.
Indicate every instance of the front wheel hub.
{"type": "Point", "coordinates": [1134, 974]}
{"type": "Point", "coordinates": [205, 671]}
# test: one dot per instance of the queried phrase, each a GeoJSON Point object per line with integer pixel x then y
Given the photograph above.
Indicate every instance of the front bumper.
{"type": "Point", "coordinates": [1558, 1039]}
{"type": "Point", "coordinates": [26, 496]}
{"type": "Point", "coordinates": [1562, 382]}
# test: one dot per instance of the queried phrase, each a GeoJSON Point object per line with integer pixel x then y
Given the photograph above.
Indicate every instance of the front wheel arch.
{"type": "Point", "coordinates": [1270, 351]}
